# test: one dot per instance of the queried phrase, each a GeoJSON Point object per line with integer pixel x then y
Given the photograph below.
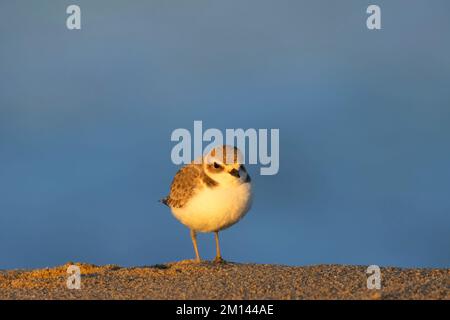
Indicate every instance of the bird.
{"type": "Point", "coordinates": [211, 194]}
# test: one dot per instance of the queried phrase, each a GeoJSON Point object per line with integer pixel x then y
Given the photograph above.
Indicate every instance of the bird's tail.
{"type": "Point", "coordinates": [164, 201]}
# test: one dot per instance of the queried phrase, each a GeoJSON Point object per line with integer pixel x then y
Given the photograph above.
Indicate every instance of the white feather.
{"type": "Point", "coordinates": [216, 208]}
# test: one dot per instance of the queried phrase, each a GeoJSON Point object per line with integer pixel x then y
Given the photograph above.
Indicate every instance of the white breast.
{"type": "Point", "coordinates": [217, 208]}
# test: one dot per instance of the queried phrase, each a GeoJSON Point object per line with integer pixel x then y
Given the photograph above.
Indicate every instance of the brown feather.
{"type": "Point", "coordinates": [187, 181]}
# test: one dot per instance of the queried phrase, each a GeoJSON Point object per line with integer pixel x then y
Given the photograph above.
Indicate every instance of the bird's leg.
{"type": "Point", "coordinates": [194, 242]}
{"type": "Point", "coordinates": [218, 255]}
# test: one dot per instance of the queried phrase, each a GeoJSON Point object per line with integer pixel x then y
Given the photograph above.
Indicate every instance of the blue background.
{"type": "Point", "coordinates": [364, 119]}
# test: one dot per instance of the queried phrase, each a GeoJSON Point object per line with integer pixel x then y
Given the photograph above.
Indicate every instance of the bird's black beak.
{"type": "Point", "coordinates": [235, 173]}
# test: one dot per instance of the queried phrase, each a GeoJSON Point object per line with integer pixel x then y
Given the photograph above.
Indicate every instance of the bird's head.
{"type": "Point", "coordinates": [225, 165]}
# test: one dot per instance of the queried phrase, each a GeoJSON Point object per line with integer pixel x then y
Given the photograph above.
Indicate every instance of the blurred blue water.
{"type": "Point", "coordinates": [364, 118]}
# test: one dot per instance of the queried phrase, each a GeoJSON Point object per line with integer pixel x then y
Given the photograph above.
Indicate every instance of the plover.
{"type": "Point", "coordinates": [212, 194]}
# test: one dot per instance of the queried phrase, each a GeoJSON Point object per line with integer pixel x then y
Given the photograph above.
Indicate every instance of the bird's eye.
{"type": "Point", "coordinates": [216, 165]}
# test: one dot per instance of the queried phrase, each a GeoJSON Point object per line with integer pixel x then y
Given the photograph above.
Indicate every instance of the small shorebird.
{"type": "Point", "coordinates": [212, 194]}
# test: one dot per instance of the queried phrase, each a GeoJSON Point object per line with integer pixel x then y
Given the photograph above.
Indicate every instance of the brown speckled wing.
{"type": "Point", "coordinates": [186, 182]}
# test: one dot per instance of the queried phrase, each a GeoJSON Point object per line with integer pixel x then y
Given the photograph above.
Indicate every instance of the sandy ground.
{"type": "Point", "coordinates": [188, 280]}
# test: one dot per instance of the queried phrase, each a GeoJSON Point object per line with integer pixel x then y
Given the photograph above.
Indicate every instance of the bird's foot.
{"type": "Point", "coordinates": [219, 260]}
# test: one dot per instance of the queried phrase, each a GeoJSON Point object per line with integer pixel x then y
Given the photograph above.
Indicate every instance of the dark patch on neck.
{"type": "Point", "coordinates": [210, 182]}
